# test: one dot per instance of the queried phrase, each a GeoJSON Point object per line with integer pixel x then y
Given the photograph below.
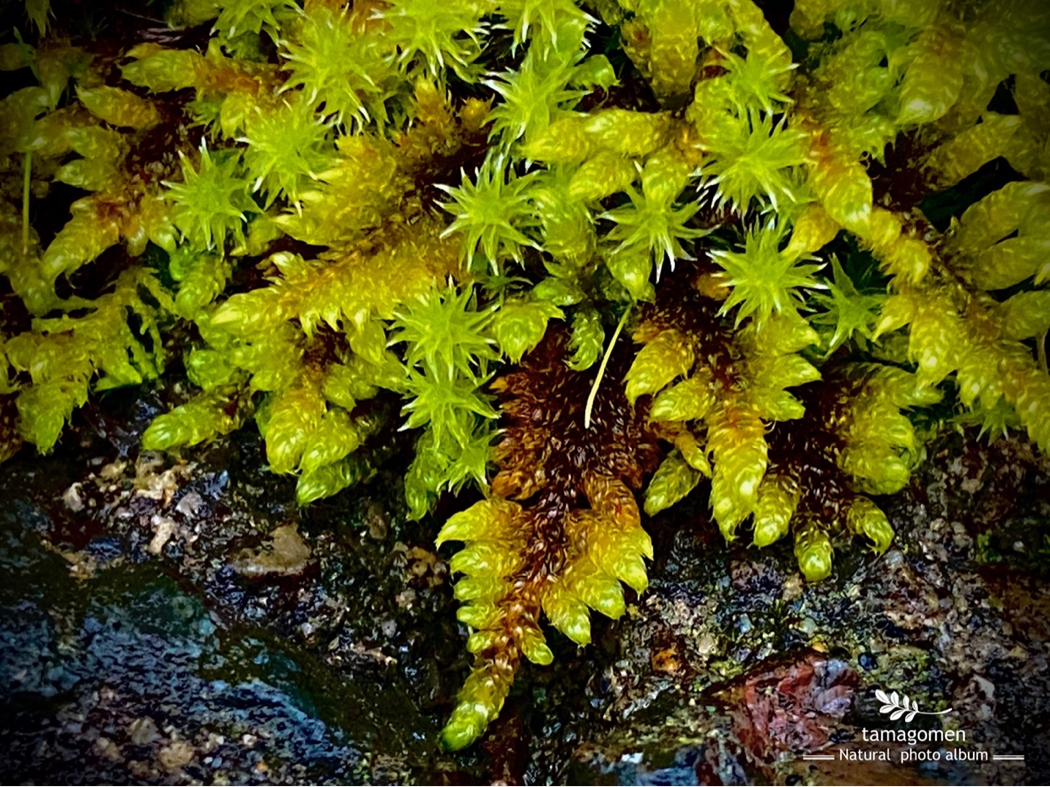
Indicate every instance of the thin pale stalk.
{"type": "Point", "coordinates": [601, 371]}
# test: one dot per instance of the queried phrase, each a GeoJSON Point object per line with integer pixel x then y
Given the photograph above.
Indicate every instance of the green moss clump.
{"type": "Point", "coordinates": [586, 255]}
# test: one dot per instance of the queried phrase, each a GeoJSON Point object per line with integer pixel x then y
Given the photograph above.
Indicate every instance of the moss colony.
{"type": "Point", "coordinates": [591, 257]}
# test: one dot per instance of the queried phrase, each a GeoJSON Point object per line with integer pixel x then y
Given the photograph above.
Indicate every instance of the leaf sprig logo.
{"type": "Point", "coordinates": [898, 705]}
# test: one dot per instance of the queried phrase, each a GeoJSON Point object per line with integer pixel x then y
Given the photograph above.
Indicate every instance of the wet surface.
{"type": "Point", "coordinates": [165, 621]}
{"type": "Point", "coordinates": [181, 621]}
{"type": "Point", "coordinates": [732, 669]}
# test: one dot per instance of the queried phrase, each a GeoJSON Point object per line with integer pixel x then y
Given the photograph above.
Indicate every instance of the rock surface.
{"type": "Point", "coordinates": [181, 621]}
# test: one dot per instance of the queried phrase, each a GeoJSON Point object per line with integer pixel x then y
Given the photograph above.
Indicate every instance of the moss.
{"type": "Point", "coordinates": [635, 251]}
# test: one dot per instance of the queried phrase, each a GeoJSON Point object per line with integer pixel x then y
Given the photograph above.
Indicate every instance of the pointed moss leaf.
{"type": "Point", "coordinates": [674, 479]}
{"type": "Point", "coordinates": [685, 401]}
{"type": "Point", "coordinates": [345, 71]}
{"type": "Point", "coordinates": [212, 202]}
{"type": "Point", "coordinates": [45, 408]}
{"type": "Point", "coordinates": [558, 291]}
{"type": "Point", "coordinates": [660, 361]}
{"type": "Point", "coordinates": [603, 593]}
{"type": "Point", "coordinates": [328, 480]}
{"type": "Point", "coordinates": [434, 37]}
{"type": "Point", "coordinates": [294, 417]}
{"type": "Point", "coordinates": [848, 310]}
{"type": "Point", "coordinates": [476, 522]}
{"type": "Point", "coordinates": [632, 267]}
{"type": "Point", "coordinates": [447, 408]}
{"type": "Point", "coordinates": [491, 212]}
{"type": "Point", "coordinates": [519, 326]}
{"type": "Point", "coordinates": [866, 518]}
{"type": "Point", "coordinates": [549, 81]}
{"type": "Point", "coordinates": [568, 614]}
{"type": "Point", "coordinates": [752, 158]}
{"type": "Point", "coordinates": [536, 650]}
{"type": "Point", "coordinates": [757, 80]}
{"type": "Point", "coordinates": [1026, 314]}
{"type": "Point", "coordinates": [288, 147]}
{"type": "Point", "coordinates": [200, 419]}
{"type": "Point", "coordinates": [119, 107]}
{"type": "Point", "coordinates": [693, 453]}
{"type": "Point", "coordinates": [588, 339]}
{"type": "Point", "coordinates": [777, 501]}
{"type": "Point", "coordinates": [814, 552]}
{"type": "Point", "coordinates": [252, 17]}
{"type": "Point", "coordinates": [336, 437]}
{"type": "Point", "coordinates": [653, 226]}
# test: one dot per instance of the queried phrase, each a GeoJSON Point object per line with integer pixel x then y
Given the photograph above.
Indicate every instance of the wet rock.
{"type": "Point", "coordinates": [792, 708]}
{"type": "Point", "coordinates": [936, 618]}
{"type": "Point", "coordinates": [143, 731]}
{"type": "Point", "coordinates": [175, 755]}
{"type": "Point", "coordinates": [109, 750]}
{"type": "Point", "coordinates": [190, 504]}
{"type": "Point", "coordinates": [699, 751]}
{"type": "Point", "coordinates": [71, 497]}
{"type": "Point", "coordinates": [286, 555]}
{"type": "Point", "coordinates": [328, 651]}
{"type": "Point", "coordinates": [164, 665]}
{"type": "Point", "coordinates": [163, 530]}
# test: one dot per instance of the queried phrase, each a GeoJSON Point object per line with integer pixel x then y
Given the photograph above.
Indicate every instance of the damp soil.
{"type": "Point", "coordinates": [179, 620]}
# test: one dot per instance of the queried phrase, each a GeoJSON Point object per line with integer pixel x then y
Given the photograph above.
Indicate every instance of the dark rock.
{"type": "Point", "coordinates": [127, 657]}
